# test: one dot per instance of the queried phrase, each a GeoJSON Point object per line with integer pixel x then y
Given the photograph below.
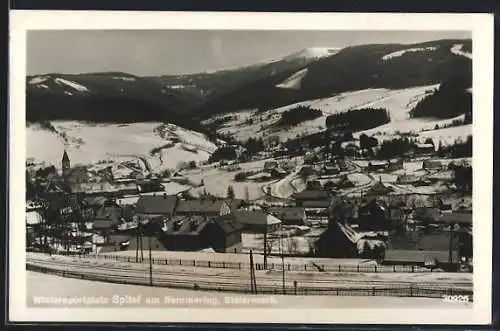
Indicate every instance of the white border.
{"type": "Point", "coordinates": [481, 26]}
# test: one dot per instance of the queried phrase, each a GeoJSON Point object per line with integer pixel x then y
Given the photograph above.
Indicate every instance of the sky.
{"type": "Point", "coordinates": [168, 52]}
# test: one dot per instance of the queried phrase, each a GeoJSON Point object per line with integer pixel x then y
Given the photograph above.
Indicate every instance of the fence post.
{"type": "Point", "coordinates": [209, 263]}
{"type": "Point", "coordinates": [223, 264]}
{"type": "Point", "coordinates": [373, 291]}
{"type": "Point", "coordinates": [340, 268]}
{"type": "Point", "coordinates": [412, 268]}
{"type": "Point", "coordinates": [166, 261]}
{"type": "Point", "coordinates": [305, 267]}
{"type": "Point", "coordinates": [394, 268]}
{"type": "Point", "coordinates": [239, 265]}
{"type": "Point", "coordinates": [411, 290]}
{"type": "Point", "coordinates": [294, 286]}
{"type": "Point", "coordinates": [375, 268]}
{"type": "Point", "coordinates": [358, 267]}
{"type": "Point", "coordinates": [180, 262]}
{"type": "Point", "coordinates": [194, 263]}
{"type": "Point", "coordinates": [288, 266]}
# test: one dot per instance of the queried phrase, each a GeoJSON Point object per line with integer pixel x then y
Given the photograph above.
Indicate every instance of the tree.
{"type": "Point", "coordinates": [247, 195]}
{"type": "Point", "coordinates": [230, 192]}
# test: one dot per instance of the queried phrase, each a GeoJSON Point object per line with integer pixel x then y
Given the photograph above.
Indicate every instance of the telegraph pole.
{"type": "Point", "coordinates": [253, 283]}
{"type": "Point", "coordinates": [265, 246]}
{"type": "Point", "coordinates": [150, 263]}
{"type": "Point", "coordinates": [282, 261]}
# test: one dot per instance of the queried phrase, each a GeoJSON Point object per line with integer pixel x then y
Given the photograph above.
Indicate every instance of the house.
{"type": "Point", "coordinates": [206, 206]}
{"type": "Point", "coordinates": [331, 169]}
{"type": "Point", "coordinates": [278, 173]}
{"type": "Point", "coordinates": [313, 185]}
{"type": "Point", "coordinates": [146, 186]}
{"type": "Point", "coordinates": [261, 177]}
{"type": "Point", "coordinates": [290, 215]}
{"type": "Point", "coordinates": [407, 179]}
{"type": "Point", "coordinates": [306, 171]}
{"type": "Point", "coordinates": [372, 216]}
{"type": "Point", "coordinates": [374, 166]}
{"type": "Point", "coordinates": [256, 221]}
{"type": "Point", "coordinates": [423, 149]}
{"type": "Point", "coordinates": [438, 249]}
{"type": "Point", "coordinates": [422, 182]}
{"type": "Point", "coordinates": [344, 183]}
{"type": "Point", "coordinates": [310, 195]}
{"type": "Point", "coordinates": [379, 189]}
{"type": "Point", "coordinates": [335, 243]}
{"type": "Point", "coordinates": [181, 233]}
{"type": "Point", "coordinates": [432, 165]}
{"type": "Point", "coordinates": [108, 219]}
{"type": "Point", "coordinates": [156, 205]}
{"type": "Point", "coordinates": [426, 215]}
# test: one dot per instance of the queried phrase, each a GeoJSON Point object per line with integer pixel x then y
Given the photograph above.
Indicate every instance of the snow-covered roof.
{"type": "Point", "coordinates": [33, 217]}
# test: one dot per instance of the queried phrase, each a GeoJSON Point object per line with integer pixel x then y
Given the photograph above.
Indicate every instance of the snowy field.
{"type": "Point", "coordinates": [397, 102]}
{"type": "Point", "coordinates": [49, 285]}
{"type": "Point", "coordinates": [88, 143]}
{"type": "Point", "coordinates": [217, 180]}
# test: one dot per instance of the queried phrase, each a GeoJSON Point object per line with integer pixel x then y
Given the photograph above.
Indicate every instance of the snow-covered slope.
{"type": "Point", "coordinates": [71, 84]}
{"type": "Point", "coordinates": [294, 81]}
{"type": "Point", "coordinates": [87, 144]}
{"type": "Point", "coordinates": [457, 49]}
{"type": "Point", "coordinates": [397, 102]}
{"type": "Point", "coordinates": [402, 52]}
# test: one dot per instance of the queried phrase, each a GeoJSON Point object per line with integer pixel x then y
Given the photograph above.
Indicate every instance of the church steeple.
{"type": "Point", "coordinates": [66, 164]}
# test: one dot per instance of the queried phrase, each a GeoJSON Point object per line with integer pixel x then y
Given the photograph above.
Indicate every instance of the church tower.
{"type": "Point", "coordinates": [66, 165]}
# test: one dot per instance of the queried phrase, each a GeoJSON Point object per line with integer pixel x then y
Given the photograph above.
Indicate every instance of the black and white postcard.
{"type": "Point", "coordinates": [251, 167]}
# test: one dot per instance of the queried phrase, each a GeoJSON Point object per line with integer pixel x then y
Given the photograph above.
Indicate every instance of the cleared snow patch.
{"type": "Point", "coordinates": [294, 81]}
{"type": "Point", "coordinates": [127, 79]}
{"type": "Point", "coordinates": [457, 49]}
{"type": "Point", "coordinates": [68, 93]}
{"type": "Point", "coordinates": [401, 52]}
{"type": "Point", "coordinates": [42, 86]}
{"type": "Point", "coordinates": [71, 84]}
{"type": "Point", "coordinates": [38, 79]}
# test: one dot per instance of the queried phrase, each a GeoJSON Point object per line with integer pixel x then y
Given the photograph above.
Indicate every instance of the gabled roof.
{"type": "Point", "coordinates": [33, 217]}
{"type": "Point", "coordinates": [205, 205]}
{"type": "Point", "coordinates": [228, 225]}
{"type": "Point", "coordinates": [379, 188]}
{"type": "Point", "coordinates": [104, 224]}
{"type": "Point", "coordinates": [95, 201]}
{"type": "Point", "coordinates": [316, 204]}
{"type": "Point", "coordinates": [456, 217]}
{"type": "Point", "coordinates": [186, 225]}
{"type": "Point", "coordinates": [311, 195]}
{"type": "Point", "coordinates": [418, 256]}
{"type": "Point", "coordinates": [426, 213]}
{"type": "Point", "coordinates": [254, 217]}
{"type": "Point", "coordinates": [288, 213]}
{"type": "Point", "coordinates": [157, 205]}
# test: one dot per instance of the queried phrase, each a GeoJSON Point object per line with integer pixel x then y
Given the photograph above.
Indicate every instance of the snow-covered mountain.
{"type": "Point", "coordinates": [312, 53]}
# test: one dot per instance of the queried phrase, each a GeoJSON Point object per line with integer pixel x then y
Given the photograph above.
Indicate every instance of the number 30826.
{"type": "Point", "coordinates": [456, 298]}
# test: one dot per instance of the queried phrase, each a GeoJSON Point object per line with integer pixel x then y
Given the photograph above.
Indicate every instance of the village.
{"type": "Point", "coordinates": [402, 213]}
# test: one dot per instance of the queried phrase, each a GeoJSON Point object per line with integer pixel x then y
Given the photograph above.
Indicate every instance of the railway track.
{"type": "Point", "coordinates": [209, 278]}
